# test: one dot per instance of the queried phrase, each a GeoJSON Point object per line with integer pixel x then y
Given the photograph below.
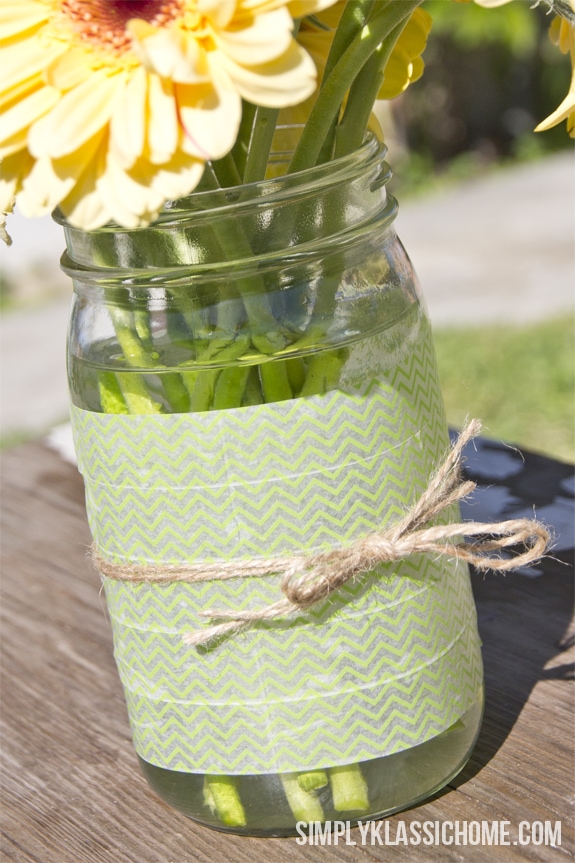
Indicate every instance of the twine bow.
{"type": "Point", "coordinates": [309, 579]}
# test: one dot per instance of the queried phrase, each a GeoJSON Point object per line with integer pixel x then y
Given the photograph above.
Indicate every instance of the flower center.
{"type": "Point", "coordinates": [103, 22]}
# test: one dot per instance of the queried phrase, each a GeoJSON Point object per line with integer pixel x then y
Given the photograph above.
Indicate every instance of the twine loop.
{"type": "Point", "coordinates": [310, 579]}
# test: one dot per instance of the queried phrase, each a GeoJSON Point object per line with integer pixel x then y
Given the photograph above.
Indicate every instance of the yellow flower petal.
{"type": "Point", "coordinates": [21, 64]}
{"type": "Point", "coordinates": [84, 207]}
{"type": "Point", "coordinates": [267, 37]}
{"type": "Point", "coordinates": [51, 180]}
{"type": "Point", "coordinates": [405, 64]}
{"type": "Point", "coordinates": [397, 76]}
{"type": "Point", "coordinates": [127, 195]}
{"type": "Point", "coordinates": [565, 38]}
{"type": "Point", "coordinates": [17, 16]}
{"type": "Point", "coordinates": [136, 197]}
{"type": "Point", "coordinates": [301, 8]}
{"type": "Point", "coordinates": [169, 52]}
{"type": "Point", "coordinates": [209, 116]}
{"type": "Point", "coordinates": [13, 168]}
{"type": "Point", "coordinates": [163, 129]}
{"type": "Point", "coordinates": [15, 144]}
{"type": "Point", "coordinates": [491, 4]}
{"type": "Point", "coordinates": [7, 192]}
{"type": "Point", "coordinates": [286, 81]}
{"type": "Point", "coordinates": [178, 177]}
{"type": "Point", "coordinates": [68, 70]}
{"type": "Point", "coordinates": [565, 111]}
{"type": "Point", "coordinates": [417, 69]}
{"type": "Point", "coordinates": [562, 34]}
{"type": "Point", "coordinates": [220, 12]}
{"type": "Point", "coordinates": [79, 114]}
{"type": "Point", "coordinates": [128, 123]}
{"type": "Point", "coordinates": [24, 113]}
{"type": "Point", "coordinates": [296, 8]}
{"type": "Point", "coordinates": [415, 32]}
{"type": "Point", "coordinates": [20, 91]}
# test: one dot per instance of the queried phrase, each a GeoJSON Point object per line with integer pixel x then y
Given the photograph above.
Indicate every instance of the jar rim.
{"type": "Point", "coordinates": [267, 192]}
{"type": "Point", "coordinates": [166, 276]}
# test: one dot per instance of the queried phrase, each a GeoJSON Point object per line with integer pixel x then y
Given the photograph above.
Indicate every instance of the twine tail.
{"type": "Point", "coordinates": [445, 486]}
{"type": "Point", "coordinates": [237, 620]}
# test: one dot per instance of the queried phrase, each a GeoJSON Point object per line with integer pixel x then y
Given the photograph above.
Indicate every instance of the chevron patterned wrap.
{"type": "Point", "coordinates": [389, 663]}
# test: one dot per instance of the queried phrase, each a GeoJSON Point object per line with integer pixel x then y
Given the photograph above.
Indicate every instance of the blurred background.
{"type": "Point", "coordinates": [487, 214]}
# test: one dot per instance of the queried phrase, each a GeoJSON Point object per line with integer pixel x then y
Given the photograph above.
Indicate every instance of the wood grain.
{"type": "Point", "coordinates": [72, 790]}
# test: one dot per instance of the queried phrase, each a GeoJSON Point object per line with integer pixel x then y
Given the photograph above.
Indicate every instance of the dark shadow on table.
{"type": "Point", "coordinates": [524, 617]}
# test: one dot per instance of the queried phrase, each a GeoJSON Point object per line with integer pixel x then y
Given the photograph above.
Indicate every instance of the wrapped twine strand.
{"type": "Point", "coordinates": [309, 579]}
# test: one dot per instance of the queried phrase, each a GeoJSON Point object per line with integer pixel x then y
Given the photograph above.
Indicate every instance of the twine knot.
{"type": "Point", "coordinates": [310, 579]}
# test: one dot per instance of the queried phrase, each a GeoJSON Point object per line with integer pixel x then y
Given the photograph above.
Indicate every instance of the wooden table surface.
{"type": "Point", "coordinates": [72, 791]}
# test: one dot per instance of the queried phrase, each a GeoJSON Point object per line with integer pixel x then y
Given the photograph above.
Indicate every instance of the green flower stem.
{"type": "Point", "coordinates": [221, 795]}
{"type": "Point", "coordinates": [348, 789]}
{"type": "Point", "coordinates": [312, 780]}
{"type": "Point", "coordinates": [230, 386]}
{"type": "Point", "coordinates": [387, 16]}
{"type": "Point", "coordinates": [136, 395]}
{"type": "Point", "coordinates": [176, 392]}
{"type": "Point", "coordinates": [142, 327]}
{"type": "Point", "coordinates": [129, 392]}
{"type": "Point", "coordinates": [304, 805]}
{"type": "Point", "coordinates": [204, 387]}
{"type": "Point", "coordinates": [241, 147]}
{"type": "Point", "coordinates": [323, 372]}
{"type": "Point", "coordinates": [226, 172]}
{"type": "Point", "coordinates": [133, 387]}
{"type": "Point", "coordinates": [275, 382]}
{"type": "Point", "coordinates": [363, 93]}
{"type": "Point", "coordinates": [324, 306]}
{"type": "Point", "coordinates": [267, 338]}
{"type": "Point", "coordinates": [111, 399]}
{"type": "Point", "coordinates": [126, 392]}
{"type": "Point", "coordinates": [132, 348]}
{"type": "Point", "coordinates": [260, 144]}
{"type": "Point", "coordinates": [368, 42]}
{"type": "Point", "coordinates": [235, 246]}
{"type": "Point", "coordinates": [313, 336]}
{"type": "Point", "coordinates": [266, 332]}
{"type": "Point", "coordinates": [253, 390]}
{"type": "Point", "coordinates": [353, 19]}
{"type": "Point", "coordinates": [202, 383]}
{"type": "Point", "coordinates": [296, 373]}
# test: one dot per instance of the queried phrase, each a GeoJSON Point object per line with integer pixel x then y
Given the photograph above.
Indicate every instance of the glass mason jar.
{"type": "Point", "coordinates": [251, 376]}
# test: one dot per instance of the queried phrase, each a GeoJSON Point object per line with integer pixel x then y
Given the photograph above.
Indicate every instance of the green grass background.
{"type": "Point", "coordinates": [520, 381]}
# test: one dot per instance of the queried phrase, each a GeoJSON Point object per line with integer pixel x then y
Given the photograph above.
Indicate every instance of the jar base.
{"type": "Point", "coordinates": [395, 783]}
{"type": "Point", "coordinates": [290, 832]}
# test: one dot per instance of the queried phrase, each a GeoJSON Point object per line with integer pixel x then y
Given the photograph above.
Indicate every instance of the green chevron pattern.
{"type": "Point", "coordinates": [389, 663]}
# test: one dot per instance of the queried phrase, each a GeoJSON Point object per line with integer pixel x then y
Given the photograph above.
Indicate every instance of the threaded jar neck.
{"type": "Point", "coordinates": [252, 225]}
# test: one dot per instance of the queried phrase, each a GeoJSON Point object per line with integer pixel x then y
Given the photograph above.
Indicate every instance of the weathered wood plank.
{"type": "Point", "coordinates": [72, 790]}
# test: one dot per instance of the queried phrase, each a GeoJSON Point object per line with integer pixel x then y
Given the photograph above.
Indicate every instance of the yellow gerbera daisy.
{"type": "Point", "coordinates": [562, 34]}
{"type": "Point", "coordinates": [111, 107]}
{"type": "Point", "coordinates": [405, 64]}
